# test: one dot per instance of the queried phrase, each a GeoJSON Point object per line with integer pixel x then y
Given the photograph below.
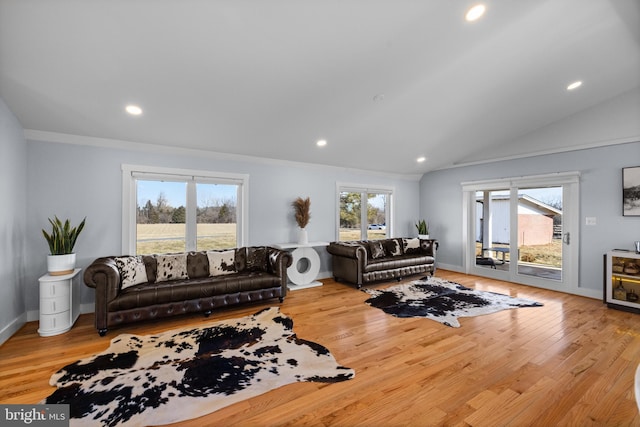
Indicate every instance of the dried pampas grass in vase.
{"type": "Point", "coordinates": [302, 213]}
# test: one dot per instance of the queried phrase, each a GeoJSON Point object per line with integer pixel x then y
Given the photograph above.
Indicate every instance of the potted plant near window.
{"type": "Point", "coordinates": [61, 240]}
{"type": "Point", "coordinates": [423, 229]}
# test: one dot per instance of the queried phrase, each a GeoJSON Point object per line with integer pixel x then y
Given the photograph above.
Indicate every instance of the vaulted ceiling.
{"type": "Point", "coordinates": [383, 82]}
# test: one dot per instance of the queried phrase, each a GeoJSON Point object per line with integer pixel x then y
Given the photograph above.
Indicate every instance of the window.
{"type": "Point", "coordinates": [175, 210]}
{"type": "Point", "coordinates": [356, 223]}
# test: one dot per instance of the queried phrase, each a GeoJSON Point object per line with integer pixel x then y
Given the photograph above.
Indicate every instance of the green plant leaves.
{"type": "Point", "coordinates": [63, 237]}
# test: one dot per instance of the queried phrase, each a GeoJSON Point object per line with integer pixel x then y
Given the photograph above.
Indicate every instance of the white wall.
{"type": "Point", "coordinates": [600, 197]}
{"type": "Point", "coordinates": [74, 181]}
{"type": "Point", "coordinates": [13, 188]}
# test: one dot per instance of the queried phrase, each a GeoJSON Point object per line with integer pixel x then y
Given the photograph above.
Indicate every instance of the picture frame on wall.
{"type": "Point", "coordinates": [631, 191]}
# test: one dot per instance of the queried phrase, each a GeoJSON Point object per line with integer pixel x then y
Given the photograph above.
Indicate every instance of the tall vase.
{"type": "Point", "coordinates": [302, 236]}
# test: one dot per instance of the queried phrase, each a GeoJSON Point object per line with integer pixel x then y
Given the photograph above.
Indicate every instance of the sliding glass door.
{"type": "Point", "coordinates": [524, 230]}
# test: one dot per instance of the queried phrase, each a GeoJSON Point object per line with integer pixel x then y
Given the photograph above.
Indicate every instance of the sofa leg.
{"type": "Point", "coordinates": [207, 313]}
{"type": "Point", "coordinates": [281, 299]}
{"type": "Point", "coordinates": [102, 332]}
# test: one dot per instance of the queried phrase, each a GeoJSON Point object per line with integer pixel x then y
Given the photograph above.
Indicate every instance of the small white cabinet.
{"type": "Point", "coordinates": [622, 281]}
{"type": "Point", "coordinates": [59, 303]}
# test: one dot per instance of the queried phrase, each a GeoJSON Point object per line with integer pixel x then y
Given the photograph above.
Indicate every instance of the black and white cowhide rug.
{"type": "Point", "coordinates": [183, 374]}
{"type": "Point", "coordinates": [440, 300]}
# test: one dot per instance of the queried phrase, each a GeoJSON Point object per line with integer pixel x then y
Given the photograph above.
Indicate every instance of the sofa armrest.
{"type": "Point", "coordinates": [278, 262]}
{"type": "Point", "coordinates": [350, 250]}
{"type": "Point", "coordinates": [104, 277]}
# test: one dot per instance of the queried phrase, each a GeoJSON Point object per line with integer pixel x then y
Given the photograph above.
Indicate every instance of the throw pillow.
{"type": "Point", "coordinates": [376, 249]}
{"type": "Point", "coordinates": [411, 246]}
{"type": "Point", "coordinates": [222, 262]}
{"type": "Point", "coordinates": [392, 247]}
{"type": "Point", "coordinates": [171, 267]}
{"type": "Point", "coordinates": [257, 259]}
{"type": "Point", "coordinates": [132, 270]}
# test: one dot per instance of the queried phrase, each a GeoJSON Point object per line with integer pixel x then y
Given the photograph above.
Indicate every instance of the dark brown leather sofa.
{"type": "Point", "coordinates": [367, 261]}
{"type": "Point", "coordinates": [258, 273]}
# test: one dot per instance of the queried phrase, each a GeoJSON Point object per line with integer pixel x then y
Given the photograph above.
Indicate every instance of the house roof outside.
{"type": "Point", "coordinates": [525, 200]}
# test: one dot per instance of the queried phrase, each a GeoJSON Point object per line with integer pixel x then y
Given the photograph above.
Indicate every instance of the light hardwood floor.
{"type": "Point", "coordinates": [571, 362]}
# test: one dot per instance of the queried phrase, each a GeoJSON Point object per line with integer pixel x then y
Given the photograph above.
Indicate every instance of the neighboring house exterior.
{"type": "Point", "coordinates": [535, 221]}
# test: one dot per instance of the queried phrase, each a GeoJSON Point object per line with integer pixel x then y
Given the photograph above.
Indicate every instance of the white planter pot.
{"type": "Point", "coordinates": [59, 265]}
{"type": "Point", "coordinates": [423, 236]}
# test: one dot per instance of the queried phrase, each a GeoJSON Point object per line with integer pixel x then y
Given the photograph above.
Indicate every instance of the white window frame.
{"type": "Point", "coordinates": [365, 189]}
{"type": "Point", "coordinates": [131, 173]}
{"type": "Point", "coordinates": [571, 224]}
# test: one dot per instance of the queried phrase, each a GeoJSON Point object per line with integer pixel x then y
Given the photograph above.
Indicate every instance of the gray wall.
{"type": "Point", "coordinates": [600, 197]}
{"type": "Point", "coordinates": [74, 181]}
{"type": "Point", "coordinates": [13, 178]}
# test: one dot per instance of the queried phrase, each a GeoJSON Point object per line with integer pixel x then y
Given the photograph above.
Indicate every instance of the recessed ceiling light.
{"type": "Point", "coordinates": [574, 85]}
{"type": "Point", "coordinates": [321, 143]}
{"type": "Point", "coordinates": [421, 159]}
{"type": "Point", "coordinates": [134, 110]}
{"type": "Point", "coordinates": [475, 12]}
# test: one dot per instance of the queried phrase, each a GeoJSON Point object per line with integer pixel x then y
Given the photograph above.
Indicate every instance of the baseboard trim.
{"type": "Point", "coordinates": [13, 327]}
{"type": "Point", "coordinates": [583, 292]}
{"type": "Point", "coordinates": [449, 267]}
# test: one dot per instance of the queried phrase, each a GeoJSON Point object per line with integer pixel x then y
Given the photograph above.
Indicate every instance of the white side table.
{"type": "Point", "coordinates": [305, 266]}
{"type": "Point", "coordinates": [59, 303]}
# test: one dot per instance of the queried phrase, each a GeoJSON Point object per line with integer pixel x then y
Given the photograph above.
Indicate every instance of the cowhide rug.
{"type": "Point", "coordinates": [183, 374]}
{"type": "Point", "coordinates": [441, 300]}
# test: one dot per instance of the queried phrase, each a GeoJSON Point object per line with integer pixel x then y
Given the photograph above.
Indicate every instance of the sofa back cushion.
{"type": "Point", "coordinates": [197, 265]}
{"type": "Point", "coordinates": [152, 267]}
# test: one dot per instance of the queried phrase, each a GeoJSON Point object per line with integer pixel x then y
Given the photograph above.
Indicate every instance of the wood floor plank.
{"type": "Point", "coordinates": [570, 362]}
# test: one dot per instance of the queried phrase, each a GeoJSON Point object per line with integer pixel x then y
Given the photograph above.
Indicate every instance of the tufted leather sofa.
{"type": "Point", "coordinates": [261, 273]}
{"type": "Point", "coordinates": [366, 261]}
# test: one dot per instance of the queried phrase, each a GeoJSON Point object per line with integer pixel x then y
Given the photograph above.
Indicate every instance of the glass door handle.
{"type": "Point", "coordinates": [566, 238]}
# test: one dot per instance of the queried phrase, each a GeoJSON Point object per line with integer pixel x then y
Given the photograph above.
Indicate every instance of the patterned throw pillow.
{"type": "Point", "coordinates": [376, 250]}
{"type": "Point", "coordinates": [171, 267]}
{"type": "Point", "coordinates": [222, 262]}
{"type": "Point", "coordinates": [392, 247]}
{"type": "Point", "coordinates": [411, 246]}
{"type": "Point", "coordinates": [132, 270]}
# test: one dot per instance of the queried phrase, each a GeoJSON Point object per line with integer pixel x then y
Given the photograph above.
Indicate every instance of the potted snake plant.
{"type": "Point", "coordinates": [423, 229]}
{"type": "Point", "coordinates": [61, 240]}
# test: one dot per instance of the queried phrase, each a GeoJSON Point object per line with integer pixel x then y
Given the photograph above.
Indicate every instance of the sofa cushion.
{"type": "Point", "coordinates": [151, 263]}
{"type": "Point", "coordinates": [375, 249]}
{"type": "Point", "coordinates": [197, 265]}
{"type": "Point", "coordinates": [411, 246]}
{"type": "Point", "coordinates": [132, 271]}
{"type": "Point", "coordinates": [402, 261]}
{"type": "Point", "coordinates": [178, 291]}
{"type": "Point", "coordinates": [171, 267]}
{"type": "Point", "coordinates": [222, 262]}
